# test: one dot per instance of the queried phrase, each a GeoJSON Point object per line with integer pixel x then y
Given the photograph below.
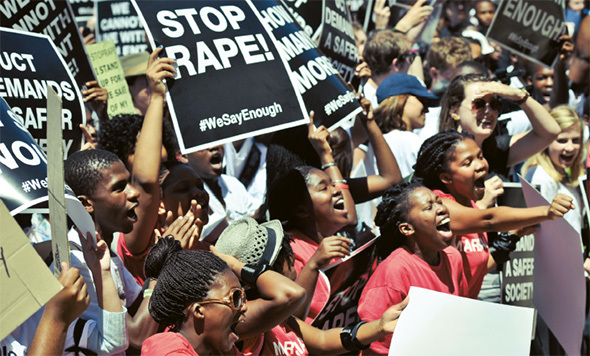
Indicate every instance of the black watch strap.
{"type": "Point", "coordinates": [349, 340]}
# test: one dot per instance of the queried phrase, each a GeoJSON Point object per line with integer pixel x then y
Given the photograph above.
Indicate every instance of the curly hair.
{"type": "Point", "coordinates": [453, 97]}
{"type": "Point", "coordinates": [434, 156]}
{"type": "Point", "coordinates": [83, 170]}
{"type": "Point", "coordinates": [119, 135]}
{"type": "Point", "coordinates": [184, 277]}
{"type": "Point", "coordinates": [391, 212]}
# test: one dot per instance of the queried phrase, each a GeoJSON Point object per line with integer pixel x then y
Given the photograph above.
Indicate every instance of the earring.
{"type": "Point", "coordinates": [455, 117]}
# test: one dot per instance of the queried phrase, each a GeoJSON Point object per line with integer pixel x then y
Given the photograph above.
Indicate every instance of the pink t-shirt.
{"type": "Point", "coordinates": [282, 340]}
{"type": "Point", "coordinates": [391, 282]}
{"type": "Point", "coordinates": [170, 343]}
{"type": "Point", "coordinates": [303, 249]}
{"type": "Point", "coordinates": [476, 253]}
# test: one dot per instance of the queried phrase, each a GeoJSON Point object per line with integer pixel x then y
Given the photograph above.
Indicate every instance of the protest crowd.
{"type": "Point", "coordinates": [219, 233]}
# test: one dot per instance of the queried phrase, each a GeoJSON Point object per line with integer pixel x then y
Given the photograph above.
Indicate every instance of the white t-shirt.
{"type": "Point", "coordinates": [236, 160]}
{"type": "Point", "coordinates": [405, 146]}
{"type": "Point", "coordinates": [550, 188]}
{"type": "Point", "coordinates": [238, 204]}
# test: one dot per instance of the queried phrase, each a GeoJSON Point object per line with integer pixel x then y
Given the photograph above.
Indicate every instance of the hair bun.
{"type": "Point", "coordinates": [159, 254]}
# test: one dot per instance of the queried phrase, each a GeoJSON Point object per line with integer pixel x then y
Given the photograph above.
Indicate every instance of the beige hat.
{"type": "Point", "coordinates": [135, 64]}
{"type": "Point", "coordinates": [251, 242]}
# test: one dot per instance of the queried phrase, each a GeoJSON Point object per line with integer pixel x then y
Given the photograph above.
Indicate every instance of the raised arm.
{"type": "Point", "coordinates": [544, 131]}
{"type": "Point", "coordinates": [146, 165]}
{"type": "Point", "coordinates": [279, 298]}
{"type": "Point", "coordinates": [60, 312]}
{"type": "Point", "coordinates": [319, 140]}
{"type": "Point", "coordinates": [466, 220]}
{"type": "Point", "coordinates": [389, 173]}
{"type": "Point", "coordinates": [560, 92]}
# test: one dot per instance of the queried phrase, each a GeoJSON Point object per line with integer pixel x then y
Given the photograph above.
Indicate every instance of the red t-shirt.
{"type": "Point", "coordinates": [475, 251]}
{"type": "Point", "coordinates": [282, 340]}
{"type": "Point", "coordinates": [133, 263]}
{"type": "Point", "coordinates": [391, 282]}
{"type": "Point", "coordinates": [170, 343]}
{"type": "Point", "coordinates": [303, 249]}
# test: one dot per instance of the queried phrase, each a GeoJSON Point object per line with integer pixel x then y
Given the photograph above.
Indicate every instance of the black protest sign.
{"type": "Point", "coordinates": [307, 14]}
{"type": "Point", "coordinates": [83, 10]}
{"type": "Point", "coordinates": [323, 89]}
{"type": "Point", "coordinates": [231, 81]}
{"type": "Point", "coordinates": [530, 27]}
{"type": "Point", "coordinates": [329, 22]}
{"type": "Point", "coordinates": [337, 40]}
{"type": "Point", "coordinates": [117, 21]}
{"type": "Point", "coordinates": [30, 63]}
{"type": "Point", "coordinates": [55, 19]}
{"type": "Point", "coordinates": [347, 280]}
{"type": "Point", "coordinates": [23, 165]}
{"type": "Point", "coordinates": [517, 272]}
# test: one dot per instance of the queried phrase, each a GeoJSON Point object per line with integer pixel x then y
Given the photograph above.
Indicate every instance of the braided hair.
{"type": "Point", "coordinates": [184, 277]}
{"type": "Point", "coordinates": [391, 212]}
{"type": "Point", "coordinates": [434, 155]}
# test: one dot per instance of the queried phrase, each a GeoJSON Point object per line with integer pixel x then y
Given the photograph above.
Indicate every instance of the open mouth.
{"type": "Point", "coordinates": [233, 328]}
{"type": "Point", "coordinates": [339, 205]}
{"type": "Point", "coordinates": [444, 227]}
{"type": "Point", "coordinates": [486, 124]}
{"type": "Point", "coordinates": [480, 182]}
{"type": "Point", "coordinates": [567, 158]}
{"type": "Point", "coordinates": [132, 215]}
{"type": "Point", "coordinates": [216, 161]}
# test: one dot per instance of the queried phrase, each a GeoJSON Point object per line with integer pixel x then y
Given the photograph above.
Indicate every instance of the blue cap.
{"type": "Point", "coordinates": [401, 83]}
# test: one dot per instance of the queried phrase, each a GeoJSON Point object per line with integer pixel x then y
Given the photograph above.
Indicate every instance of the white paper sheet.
{"type": "Point", "coordinates": [559, 290]}
{"type": "Point", "coordinates": [435, 323]}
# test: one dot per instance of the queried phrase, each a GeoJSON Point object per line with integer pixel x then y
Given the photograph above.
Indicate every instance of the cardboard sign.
{"type": "Point", "coordinates": [117, 21]}
{"type": "Point", "coordinates": [27, 283]}
{"type": "Point", "coordinates": [530, 28]}
{"type": "Point", "coordinates": [426, 324]}
{"type": "Point", "coordinates": [56, 20]}
{"type": "Point", "coordinates": [323, 89]}
{"type": "Point", "coordinates": [560, 289]}
{"type": "Point", "coordinates": [55, 176]}
{"type": "Point", "coordinates": [517, 273]}
{"type": "Point", "coordinates": [30, 63]}
{"type": "Point", "coordinates": [231, 82]}
{"type": "Point", "coordinates": [83, 10]}
{"type": "Point", "coordinates": [109, 73]}
{"type": "Point", "coordinates": [348, 277]}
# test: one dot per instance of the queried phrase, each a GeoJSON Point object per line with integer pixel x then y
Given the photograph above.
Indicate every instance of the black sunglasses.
{"type": "Point", "coordinates": [480, 104]}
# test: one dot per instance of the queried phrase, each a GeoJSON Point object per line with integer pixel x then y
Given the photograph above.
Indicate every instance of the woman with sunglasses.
{"type": "Point", "coordinates": [472, 104]}
{"type": "Point", "coordinates": [453, 166]}
{"type": "Point", "coordinates": [200, 299]}
{"type": "Point", "coordinates": [402, 108]}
